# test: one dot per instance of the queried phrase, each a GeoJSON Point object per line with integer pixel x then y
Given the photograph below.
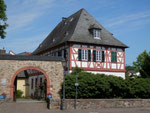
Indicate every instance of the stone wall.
{"type": "Point", "coordinates": [53, 69]}
{"type": "Point", "coordinates": [106, 103]}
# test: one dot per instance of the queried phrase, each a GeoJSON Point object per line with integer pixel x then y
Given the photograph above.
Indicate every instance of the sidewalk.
{"type": "Point", "coordinates": [41, 108]}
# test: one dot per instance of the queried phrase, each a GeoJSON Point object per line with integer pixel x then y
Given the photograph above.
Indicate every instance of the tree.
{"type": "Point", "coordinates": [142, 64]}
{"type": "Point", "coordinates": [145, 71]}
{"type": "Point", "coordinates": [140, 61]}
{"type": "Point", "coordinates": [3, 19]}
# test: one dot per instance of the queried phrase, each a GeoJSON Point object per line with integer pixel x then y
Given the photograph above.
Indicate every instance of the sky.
{"type": "Point", "coordinates": [30, 21]}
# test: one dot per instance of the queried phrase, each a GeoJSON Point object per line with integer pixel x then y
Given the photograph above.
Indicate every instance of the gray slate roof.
{"type": "Point", "coordinates": [76, 29]}
{"type": "Point", "coordinates": [23, 74]}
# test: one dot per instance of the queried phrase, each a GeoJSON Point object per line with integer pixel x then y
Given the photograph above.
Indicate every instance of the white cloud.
{"type": "Point", "coordinates": [21, 13]}
{"type": "Point", "coordinates": [129, 19]}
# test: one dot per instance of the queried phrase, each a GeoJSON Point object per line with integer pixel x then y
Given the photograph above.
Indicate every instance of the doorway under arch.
{"type": "Point", "coordinates": [12, 89]}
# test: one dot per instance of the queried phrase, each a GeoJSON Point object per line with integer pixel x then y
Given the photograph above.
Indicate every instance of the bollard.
{"type": "Point", "coordinates": [48, 103]}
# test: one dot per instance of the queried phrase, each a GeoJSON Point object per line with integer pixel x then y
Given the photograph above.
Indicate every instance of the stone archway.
{"type": "Point", "coordinates": [26, 68]}
{"type": "Point", "coordinates": [51, 67]}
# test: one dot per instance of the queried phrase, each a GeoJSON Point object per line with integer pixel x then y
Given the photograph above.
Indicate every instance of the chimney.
{"type": "Point", "coordinates": [64, 18]}
{"type": "Point", "coordinates": [2, 51]}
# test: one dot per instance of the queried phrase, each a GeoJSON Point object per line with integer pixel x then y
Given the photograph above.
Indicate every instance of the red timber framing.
{"type": "Point", "coordinates": [106, 66]}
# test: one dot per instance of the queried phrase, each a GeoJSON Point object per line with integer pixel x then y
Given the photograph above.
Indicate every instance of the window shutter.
{"type": "Point", "coordinates": [94, 55]}
{"type": "Point", "coordinates": [103, 56]}
{"type": "Point", "coordinates": [79, 54]}
{"type": "Point", "coordinates": [114, 56]}
{"type": "Point", "coordinates": [89, 55]}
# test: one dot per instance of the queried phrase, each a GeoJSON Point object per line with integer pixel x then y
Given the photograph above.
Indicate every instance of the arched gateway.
{"type": "Point", "coordinates": [28, 68]}
{"type": "Point", "coordinates": [11, 66]}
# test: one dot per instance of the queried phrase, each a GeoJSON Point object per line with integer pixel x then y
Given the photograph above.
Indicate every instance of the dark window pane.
{"type": "Point", "coordinates": [89, 55]}
{"type": "Point", "coordinates": [103, 56]}
{"type": "Point", "coordinates": [114, 56]}
{"type": "Point", "coordinates": [59, 53]}
{"type": "Point", "coordinates": [65, 53]}
{"type": "Point", "coordinates": [94, 55]}
{"type": "Point", "coordinates": [79, 54]}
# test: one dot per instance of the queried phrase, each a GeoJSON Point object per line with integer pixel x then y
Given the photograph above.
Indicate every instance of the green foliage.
{"type": "Point", "coordinates": [138, 88]}
{"type": "Point", "coordinates": [142, 64]}
{"type": "Point", "coordinates": [140, 61]}
{"type": "Point", "coordinates": [3, 19]}
{"type": "Point", "coordinates": [19, 93]}
{"type": "Point", "coordinates": [145, 71]}
{"type": "Point", "coordinates": [103, 86]}
{"type": "Point", "coordinates": [76, 70]}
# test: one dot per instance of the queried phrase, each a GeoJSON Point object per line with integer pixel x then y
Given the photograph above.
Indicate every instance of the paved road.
{"type": "Point", "coordinates": [41, 108]}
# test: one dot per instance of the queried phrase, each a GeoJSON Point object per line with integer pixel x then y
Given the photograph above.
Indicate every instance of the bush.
{"type": "Point", "coordinates": [19, 93]}
{"type": "Point", "coordinates": [103, 86]}
{"type": "Point", "coordinates": [138, 88]}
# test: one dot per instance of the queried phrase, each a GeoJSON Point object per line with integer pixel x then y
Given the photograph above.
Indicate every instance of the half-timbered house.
{"type": "Point", "coordinates": [85, 43]}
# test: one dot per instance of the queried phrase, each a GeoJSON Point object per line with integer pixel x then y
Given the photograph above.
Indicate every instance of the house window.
{"type": "Point", "coordinates": [84, 54]}
{"type": "Point", "coordinates": [98, 55]}
{"type": "Point", "coordinates": [113, 56]}
{"type": "Point", "coordinates": [96, 33]}
{"type": "Point", "coordinates": [60, 53]}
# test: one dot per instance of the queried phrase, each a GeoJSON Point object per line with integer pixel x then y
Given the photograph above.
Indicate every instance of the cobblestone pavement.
{"type": "Point", "coordinates": [41, 108]}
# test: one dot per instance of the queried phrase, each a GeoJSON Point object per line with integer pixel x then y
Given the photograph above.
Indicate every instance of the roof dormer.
{"type": "Point", "coordinates": [95, 31]}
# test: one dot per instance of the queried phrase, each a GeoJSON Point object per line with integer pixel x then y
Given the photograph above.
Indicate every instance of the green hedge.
{"type": "Point", "coordinates": [103, 86]}
{"type": "Point", "coordinates": [19, 93]}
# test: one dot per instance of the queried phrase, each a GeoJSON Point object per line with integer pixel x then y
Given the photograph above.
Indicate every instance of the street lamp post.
{"type": "Point", "coordinates": [76, 96]}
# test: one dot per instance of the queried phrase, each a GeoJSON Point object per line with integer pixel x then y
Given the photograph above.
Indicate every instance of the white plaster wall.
{"type": "Point", "coordinates": [84, 64]}
{"type": "Point", "coordinates": [118, 74]}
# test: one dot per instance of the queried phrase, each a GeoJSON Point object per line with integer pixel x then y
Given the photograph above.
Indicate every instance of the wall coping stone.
{"type": "Point", "coordinates": [30, 57]}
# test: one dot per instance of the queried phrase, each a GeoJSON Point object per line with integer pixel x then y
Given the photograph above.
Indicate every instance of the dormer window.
{"type": "Point", "coordinates": [96, 33]}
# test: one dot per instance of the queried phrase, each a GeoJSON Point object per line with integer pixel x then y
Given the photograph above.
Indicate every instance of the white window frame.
{"type": "Point", "coordinates": [84, 54]}
{"type": "Point", "coordinates": [96, 33]}
{"type": "Point", "coordinates": [98, 56]}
